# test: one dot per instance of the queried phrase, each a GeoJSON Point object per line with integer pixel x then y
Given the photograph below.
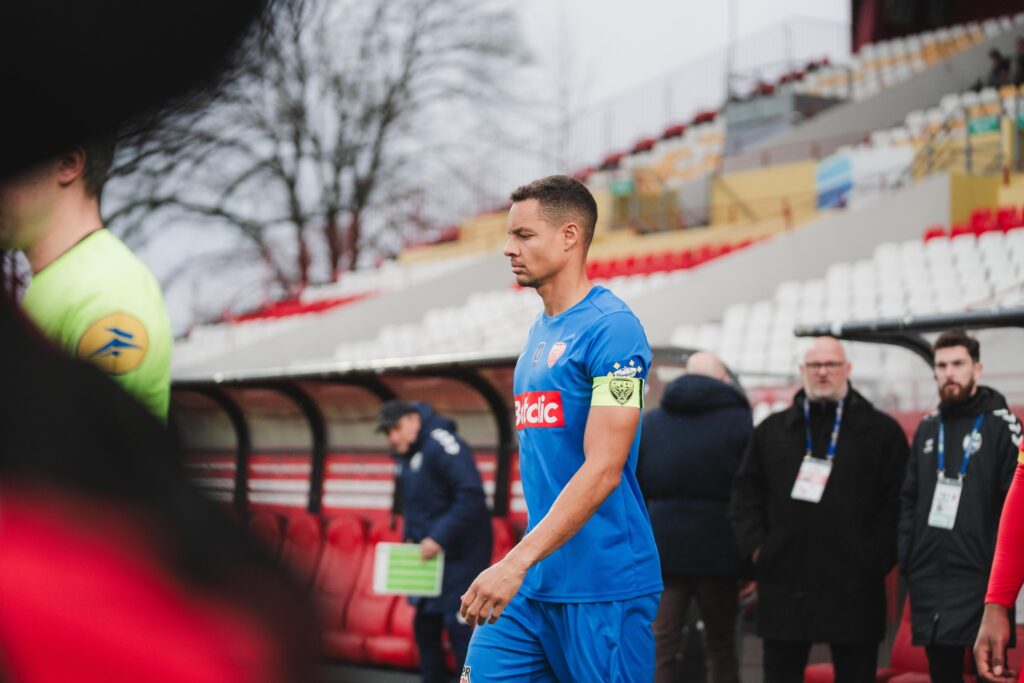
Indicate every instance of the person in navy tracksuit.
{"type": "Point", "coordinates": [443, 504]}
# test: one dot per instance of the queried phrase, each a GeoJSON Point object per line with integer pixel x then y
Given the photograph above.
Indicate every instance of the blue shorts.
{"type": "Point", "coordinates": [599, 642]}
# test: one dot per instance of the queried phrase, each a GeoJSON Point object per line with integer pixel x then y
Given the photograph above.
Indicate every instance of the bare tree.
{"type": "Point", "coordinates": [315, 144]}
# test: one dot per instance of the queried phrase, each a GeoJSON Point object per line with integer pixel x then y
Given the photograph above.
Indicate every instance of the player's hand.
{"type": "Point", "coordinates": [491, 592]}
{"type": "Point", "coordinates": [990, 648]}
{"type": "Point", "coordinates": [429, 548]}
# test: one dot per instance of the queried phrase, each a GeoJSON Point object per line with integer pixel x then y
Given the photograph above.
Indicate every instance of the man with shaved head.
{"type": "Point", "coordinates": [815, 509]}
{"type": "Point", "coordinates": [690, 448]}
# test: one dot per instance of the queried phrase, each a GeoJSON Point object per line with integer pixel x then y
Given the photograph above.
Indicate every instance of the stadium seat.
{"type": "Point", "coordinates": [340, 562]}
{"type": "Point", "coordinates": [397, 647]}
{"type": "Point", "coordinates": [504, 538]}
{"type": "Point", "coordinates": [368, 614]}
{"type": "Point", "coordinates": [934, 232]}
{"type": "Point", "coordinates": [303, 544]}
{"type": "Point", "coordinates": [268, 529]}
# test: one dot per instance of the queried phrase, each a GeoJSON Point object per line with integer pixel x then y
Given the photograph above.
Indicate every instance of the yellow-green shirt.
{"type": "Point", "coordinates": [101, 304]}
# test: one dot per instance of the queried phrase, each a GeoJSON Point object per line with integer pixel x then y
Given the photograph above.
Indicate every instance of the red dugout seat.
{"type": "Point", "coordinates": [368, 614]}
{"type": "Point", "coordinates": [340, 563]}
{"type": "Point", "coordinates": [397, 647]}
{"type": "Point", "coordinates": [268, 529]}
{"type": "Point", "coordinates": [303, 544]}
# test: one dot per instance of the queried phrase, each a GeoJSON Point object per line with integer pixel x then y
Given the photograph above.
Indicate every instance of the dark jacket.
{"type": "Point", "coordinates": [822, 566]}
{"type": "Point", "coordinates": [690, 449]}
{"type": "Point", "coordinates": [441, 497]}
{"type": "Point", "coordinates": [947, 570]}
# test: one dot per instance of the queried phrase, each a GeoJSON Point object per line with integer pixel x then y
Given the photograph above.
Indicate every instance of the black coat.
{"type": "Point", "coordinates": [442, 497]}
{"type": "Point", "coordinates": [947, 570]}
{"type": "Point", "coordinates": [822, 566]}
{"type": "Point", "coordinates": [690, 449]}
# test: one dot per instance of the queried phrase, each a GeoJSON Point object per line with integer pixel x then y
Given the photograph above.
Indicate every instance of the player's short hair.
{"type": "Point", "coordinates": [99, 157]}
{"type": "Point", "coordinates": [958, 338]}
{"type": "Point", "coordinates": [560, 196]}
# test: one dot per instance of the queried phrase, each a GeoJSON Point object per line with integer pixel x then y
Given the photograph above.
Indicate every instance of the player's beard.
{"type": "Point", "coordinates": [524, 280]}
{"type": "Point", "coordinates": [953, 392]}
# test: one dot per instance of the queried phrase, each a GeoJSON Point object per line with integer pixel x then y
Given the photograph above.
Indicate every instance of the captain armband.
{"type": "Point", "coordinates": [618, 392]}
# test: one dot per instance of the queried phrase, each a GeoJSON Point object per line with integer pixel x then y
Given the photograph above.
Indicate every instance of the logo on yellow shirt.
{"type": "Point", "coordinates": [116, 343]}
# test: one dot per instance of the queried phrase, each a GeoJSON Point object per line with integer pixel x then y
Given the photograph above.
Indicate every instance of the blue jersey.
{"type": "Point", "coordinates": [596, 353]}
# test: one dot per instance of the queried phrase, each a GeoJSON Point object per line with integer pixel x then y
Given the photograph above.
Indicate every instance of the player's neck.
{"type": "Point", "coordinates": [68, 225]}
{"type": "Point", "coordinates": [565, 290]}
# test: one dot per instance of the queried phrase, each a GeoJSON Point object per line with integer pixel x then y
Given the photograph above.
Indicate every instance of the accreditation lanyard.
{"type": "Point", "coordinates": [969, 450]}
{"type": "Point", "coordinates": [814, 472]}
{"type": "Point", "coordinates": [946, 499]}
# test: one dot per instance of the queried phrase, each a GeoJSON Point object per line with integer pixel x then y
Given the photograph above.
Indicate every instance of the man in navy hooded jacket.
{"type": "Point", "coordinates": [444, 508]}
{"type": "Point", "coordinates": [690, 449]}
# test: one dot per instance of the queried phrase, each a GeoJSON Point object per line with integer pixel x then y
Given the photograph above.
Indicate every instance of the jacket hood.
{"type": "Point", "coordinates": [430, 422]}
{"type": "Point", "coordinates": [699, 394]}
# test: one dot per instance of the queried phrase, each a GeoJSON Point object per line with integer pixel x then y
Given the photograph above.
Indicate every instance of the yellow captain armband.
{"type": "Point", "coordinates": [618, 392]}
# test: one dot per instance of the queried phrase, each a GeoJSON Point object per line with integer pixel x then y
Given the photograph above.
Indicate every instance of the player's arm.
{"type": "Point", "coordinates": [1003, 586]}
{"type": "Point", "coordinates": [606, 443]}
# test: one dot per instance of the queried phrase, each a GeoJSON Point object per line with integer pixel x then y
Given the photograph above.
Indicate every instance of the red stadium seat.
{"type": "Point", "coordinates": [340, 562]}
{"type": "Point", "coordinates": [268, 529]}
{"type": "Point", "coordinates": [1008, 217]}
{"type": "Point", "coordinates": [504, 538]}
{"type": "Point", "coordinates": [397, 647]}
{"type": "Point", "coordinates": [980, 218]}
{"type": "Point", "coordinates": [961, 229]}
{"type": "Point", "coordinates": [303, 543]}
{"type": "Point", "coordinates": [368, 614]}
{"type": "Point", "coordinates": [934, 232]}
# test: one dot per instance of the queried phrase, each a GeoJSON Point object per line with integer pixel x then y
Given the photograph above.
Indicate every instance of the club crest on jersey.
{"type": "Point", "coordinates": [630, 371]}
{"type": "Point", "coordinates": [539, 409]}
{"type": "Point", "coordinates": [116, 343]}
{"type": "Point", "coordinates": [621, 390]}
{"type": "Point", "coordinates": [540, 350]}
{"type": "Point", "coordinates": [464, 678]}
{"type": "Point", "coordinates": [555, 353]}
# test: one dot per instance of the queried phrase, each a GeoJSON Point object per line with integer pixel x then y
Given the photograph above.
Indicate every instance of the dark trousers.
{"type": "Point", "coordinates": [946, 663]}
{"type": "Point", "coordinates": [427, 629]}
{"type": "Point", "coordinates": [785, 662]}
{"type": "Point", "coordinates": [718, 600]}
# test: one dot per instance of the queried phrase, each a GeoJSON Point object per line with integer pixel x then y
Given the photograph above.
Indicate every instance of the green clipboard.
{"type": "Point", "coordinates": [398, 570]}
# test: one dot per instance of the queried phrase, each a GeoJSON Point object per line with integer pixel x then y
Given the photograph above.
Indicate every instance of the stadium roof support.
{"type": "Point", "coordinates": [907, 332]}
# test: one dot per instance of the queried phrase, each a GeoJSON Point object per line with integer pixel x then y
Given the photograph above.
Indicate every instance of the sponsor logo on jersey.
{"type": "Point", "coordinates": [536, 355]}
{"type": "Point", "coordinates": [555, 353]}
{"type": "Point", "coordinates": [629, 371]}
{"type": "Point", "coordinates": [539, 409]}
{"type": "Point", "coordinates": [116, 343]}
{"type": "Point", "coordinates": [464, 678]}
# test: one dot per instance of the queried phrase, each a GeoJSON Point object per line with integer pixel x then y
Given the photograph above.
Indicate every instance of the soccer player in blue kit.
{"type": "Point", "coordinates": [576, 598]}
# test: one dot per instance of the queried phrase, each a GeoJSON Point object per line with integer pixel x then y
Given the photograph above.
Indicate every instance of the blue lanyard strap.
{"type": "Point", "coordinates": [835, 430]}
{"type": "Point", "coordinates": [968, 451]}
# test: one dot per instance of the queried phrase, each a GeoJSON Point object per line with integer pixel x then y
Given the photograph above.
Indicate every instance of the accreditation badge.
{"type": "Point", "coordinates": [811, 479]}
{"type": "Point", "coordinates": [945, 503]}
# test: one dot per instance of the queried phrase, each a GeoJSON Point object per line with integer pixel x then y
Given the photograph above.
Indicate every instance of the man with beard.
{"type": "Point", "coordinates": [815, 505]}
{"type": "Point", "coordinates": [960, 468]}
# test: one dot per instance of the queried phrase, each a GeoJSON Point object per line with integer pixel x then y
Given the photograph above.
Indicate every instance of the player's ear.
{"type": "Point", "coordinates": [571, 235]}
{"type": "Point", "coordinates": [70, 166]}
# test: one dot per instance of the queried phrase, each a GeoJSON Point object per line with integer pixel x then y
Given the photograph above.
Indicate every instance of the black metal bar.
{"type": "Point", "coordinates": [969, 320]}
{"type": "Point", "coordinates": [506, 434]}
{"type": "Point", "coordinates": [318, 430]}
{"type": "Point", "coordinates": [243, 442]}
{"type": "Point", "coordinates": [906, 332]}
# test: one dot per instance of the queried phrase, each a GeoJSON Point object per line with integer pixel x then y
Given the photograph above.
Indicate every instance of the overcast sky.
{"type": "Point", "coordinates": [624, 44]}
